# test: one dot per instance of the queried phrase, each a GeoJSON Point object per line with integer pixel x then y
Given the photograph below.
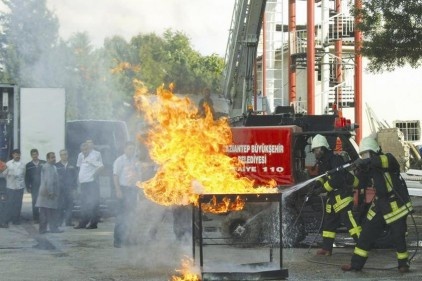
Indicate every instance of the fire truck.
{"type": "Point", "coordinates": [278, 147]}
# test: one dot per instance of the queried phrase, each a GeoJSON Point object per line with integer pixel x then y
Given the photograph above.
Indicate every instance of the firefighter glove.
{"type": "Point", "coordinates": [362, 162]}
{"type": "Point", "coordinates": [317, 188]}
{"type": "Point", "coordinates": [317, 191]}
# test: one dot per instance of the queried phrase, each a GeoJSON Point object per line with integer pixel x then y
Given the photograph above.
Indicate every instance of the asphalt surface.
{"type": "Point", "coordinates": [155, 254]}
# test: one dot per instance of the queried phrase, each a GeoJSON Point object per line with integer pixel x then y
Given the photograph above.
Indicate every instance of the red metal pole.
{"type": "Point", "coordinates": [264, 63]}
{"type": "Point", "coordinates": [358, 73]}
{"type": "Point", "coordinates": [310, 52]}
{"type": "Point", "coordinates": [255, 87]}
{"type": "Point", "coordinates": [339, 54]}
{"type": "Point", "coordinates": [292, 41]}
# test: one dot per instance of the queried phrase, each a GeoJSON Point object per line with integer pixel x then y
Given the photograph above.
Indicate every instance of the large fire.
{"type": "Point", "coordinates": [189, 152]}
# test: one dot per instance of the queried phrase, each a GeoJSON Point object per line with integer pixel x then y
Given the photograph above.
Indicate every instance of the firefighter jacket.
{"type": "Point", "coordinates": [339, 185]}
{"type": "Point", "coordinates": [392, 198]}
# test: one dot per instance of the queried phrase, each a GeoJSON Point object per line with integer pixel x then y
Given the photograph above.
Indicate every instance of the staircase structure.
{"type": "Point", "coordinates": [268, 53]}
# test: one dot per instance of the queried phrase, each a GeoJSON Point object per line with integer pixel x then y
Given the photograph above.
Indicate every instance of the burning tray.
{"type": "Point", "coordinates": [225, 258]}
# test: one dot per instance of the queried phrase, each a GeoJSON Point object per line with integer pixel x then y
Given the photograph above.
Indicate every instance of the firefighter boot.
{"type": "Point", "coordinates": [323, 252]}
{"type": "Point", "coordinates": [348, 267]}
{"type": "Point", "coordinates": [404, 269]}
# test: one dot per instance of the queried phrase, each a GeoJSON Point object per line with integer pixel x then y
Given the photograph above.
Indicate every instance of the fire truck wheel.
{"type": "Point", "coordinates": [241, 228]}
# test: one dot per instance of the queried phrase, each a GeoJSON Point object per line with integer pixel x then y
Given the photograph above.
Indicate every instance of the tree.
{"type": "Point", "coordinates": [392, 32]}
{"type": "Point", "coordinates": [29, 33]}
{"type": "Point", "coordinates": [86, 87]}
{"type": "Point", "coordinates": [121, 62]}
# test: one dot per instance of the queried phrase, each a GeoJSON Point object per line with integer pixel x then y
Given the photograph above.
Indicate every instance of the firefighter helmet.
{"type": "Point", "coordinates": [367, 144]}
{"type": "Point", "coordinates": [319, 141]}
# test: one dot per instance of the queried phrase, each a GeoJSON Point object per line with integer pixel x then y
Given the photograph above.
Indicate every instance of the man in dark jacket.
{"type": "Point", "coordinates": [68, 182]}
{"type": "Point", "coordinates": [339, 187]}
{"type": "Point", "coordinates": [33, 180]}
{"type": "Point", "coordinates": [391, 204]}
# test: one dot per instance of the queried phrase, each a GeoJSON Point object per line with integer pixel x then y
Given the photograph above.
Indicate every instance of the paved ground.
{"type": "Point", "coordinates": [89, 254]}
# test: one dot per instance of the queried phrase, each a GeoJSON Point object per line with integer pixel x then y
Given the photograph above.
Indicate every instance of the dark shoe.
{"type": "Point", "coordinates": [69, 224]}
{"type": "Point", "coordinates": [403, 269]}
{"type": "Point", "coordinates": [42, 231]}
{"type": "Point", "coordinates": [348, 267]}
{"type": "Point", "coordinates": [79, 226]}
{"type": "Point", "coordinates": [17, 223]}
{"type": "Point", "coordinates": [323, 252]}
{"type": "Point", "coordinates": [117, 245]}
{"type": "Point", "coordinates": [4, 225]}
{"type": "Point", "coordinates": [93, 226]}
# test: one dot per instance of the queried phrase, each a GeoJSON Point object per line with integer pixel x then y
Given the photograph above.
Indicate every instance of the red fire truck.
{"type": "Point", "coordinates": [277, 147]}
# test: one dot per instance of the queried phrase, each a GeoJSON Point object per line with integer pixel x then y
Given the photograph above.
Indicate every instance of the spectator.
{"type": "Point", "coordinates": [126, 172]}
{"type": "Point", "coordinates": [48, 197]}
{"type": "Point", "coordinates": [68, 182]}
{"type": "Point", "coordinates": [15, 176]}
{"type": "Point", "coordinates": [33, 180]}
{"type": "Point", "coordinates": [90, 163]}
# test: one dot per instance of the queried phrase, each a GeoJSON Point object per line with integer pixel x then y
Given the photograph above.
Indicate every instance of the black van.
{"type": "Point", "coordinates": [109, 137]}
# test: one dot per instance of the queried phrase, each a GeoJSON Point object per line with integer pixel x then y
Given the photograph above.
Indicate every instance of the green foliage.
{"type": "Point", "coordinates": [29, 33]}
{"type": "Point", "coordinates": [98, 82]}
{"type": "Point", "coordinates": [392, 32]}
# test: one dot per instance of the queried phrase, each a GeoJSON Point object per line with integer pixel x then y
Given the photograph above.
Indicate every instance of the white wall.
{"type": "Point", "coordinates": [42, 121]}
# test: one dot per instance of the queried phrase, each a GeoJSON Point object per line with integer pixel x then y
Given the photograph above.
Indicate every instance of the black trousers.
{"type": "Point", "coordinates": [48, 217]}
{"type": "Point", "coordinates": [35, 210]}
{"type": "Point", "coordinates": [90, 203]}
{"type": "Point", "coordinates": [371, 231]}
{"type": "Point", "coordinates": [125, 213]}
{"type": "Point", "coordinates": [332, 221]}
{"type": "Point", "coordinates": [65, 206]}
{"type": "Point", "coordinates": [13, 205]}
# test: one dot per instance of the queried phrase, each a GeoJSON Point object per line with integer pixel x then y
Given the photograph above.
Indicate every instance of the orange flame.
{"type": "Point", "coordinates": [189, 151]}
{"type": "Point", "coordinates": [186, 273]}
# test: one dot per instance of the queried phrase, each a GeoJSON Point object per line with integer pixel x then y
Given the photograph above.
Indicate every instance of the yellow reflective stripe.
{"type": "Point", "coordinates": [355, 182]}
{"type": "Point", "coordinates": [388, 181]}
{"type": "Point", "coordinates": [328, 208]}
{"type": "Point", "coordinates": [370, 214]}
{"type": "Point", "coordinates": [360, 252]}
{"type": "Point", "coordinates": [384, 161]}
{"type": "Point", "coordinates": [329, 234]}
{"type": "Point", "coordinates": [356, 229]}
{"type": "Point", "coordinates": [399, 213]}
{"type": "Point", "coordinates": [394, 206]}
{"type": "Point", "coordinates": [341, 204]}
{"type": "Point", "coordinates": [321, 180]}
{"type": "Point", "coordinates": [352, 218]}
{"type": "Point", "coordinates": [402, 256]}
{"type": "Point", "coordinates": [327, 186]}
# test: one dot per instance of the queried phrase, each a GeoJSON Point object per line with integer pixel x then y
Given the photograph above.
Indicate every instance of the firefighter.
{"type": "Point", "coordinates": [391, 204]}
{"type": "Point", "coordinates": [339, 187]}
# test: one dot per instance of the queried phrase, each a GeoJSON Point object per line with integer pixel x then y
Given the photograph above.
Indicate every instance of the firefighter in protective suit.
{"type": "Point", "coordinates": [339, 187]}
{"type": "Point", "coordinates": [391, 204]}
